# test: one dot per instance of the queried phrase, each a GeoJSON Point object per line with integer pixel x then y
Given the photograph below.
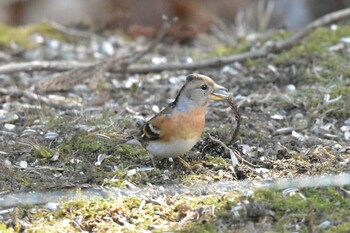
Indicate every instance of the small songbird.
{"type": "Point", "coordinates": [177, 128]}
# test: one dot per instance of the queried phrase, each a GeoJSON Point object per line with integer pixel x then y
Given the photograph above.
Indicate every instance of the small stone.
{"type": "Point", "coordinates": [107, 48]}
{"type": "Point", "coordinates": [336, 47]}
{"type": "Point", "coordinates": [272, 68]}
{"type": "Point", "coordinates": [298, 116]}
{"type": "Point", "coordinates": [7, 117]}
{"type": "Point", "coordinates": [345, 128]}
{"type": "Point", "coordinates": [23, 164]}
{"type": "Point", "coordinates": [324, 224]}
{"type": "Point", "coordinates": [51, 136]}
{"type": "Point", "coordinates": [228, 70]}
{"type": "Point", "coordinates": [334, 27]}
{"type": "Point", "coordinates": [286, 130]}
{"type": "Point", "coordinates": [38, 38]}
{"type": "Point", "coordinates": [261, 150]}
{"type": "Point", "coordinates": [51, 206]}
{"type": "Point", "coordinates": [298, 136]}
{"type": "Point", "coordinates": [27, 132]}
{"type": "Point", "coordinates": [177, 79]}
{"type": "Point", "coordinates": [54, 44]}
{"type": "Point", "coordinates": [9, 127]}
{"type": "Point", "coordinates": [132, 172]}
{"type": "Point", "coordinates": [186, 59]}
{"type": "Point", "coordinates": [291, 88]}
{"type": "Point", "coordinates": [347, 122]}
{"type": "Point", "coordinates": [345, 40]}
{"type": "Point", "coordinates": [155, 108]}
{"type": "Point", "coordinates": [159, 60]}
{"type": "Point", "coordinates": [277, 117]}
{"type": "Point", "coordinates": [347, 135]}
{"type": "Point", "coordinates": [55, 156]}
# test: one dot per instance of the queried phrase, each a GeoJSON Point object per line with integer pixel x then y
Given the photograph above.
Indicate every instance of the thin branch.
{"type": "Point", "coordinates": [300, 35]}
{"type": "Point", "coordinates": [263, 51]}
{"type": "Point", "coordinates": [41, 66]}
{"type": "Point", "coordinates": [231, 151]}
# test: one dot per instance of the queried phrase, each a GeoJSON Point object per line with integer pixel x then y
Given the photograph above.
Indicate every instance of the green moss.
{"type": "Point", "coordinates": [218, 160]}
{"type": "Point", "coordinates": [315, 44]}
{"type": "Point", "coordinates": [131, 151]}
{"type": "Point", "coordinates": [42, 152]}
{"type": "Point", "coordinates": [321, 204]}
{"type": "Point", "coordinates": [194, 179]}
{"type": "Point", "coordinates": [313, 58]}
{"type": "Point", "coordinates": [124, 214]}
{"type": "Point", "coordinates": [199, 227]}
{"type": "Point", "coordinates": [341, 228]}
{"type": "Point", "coordinates": [342, 106]}
{"type": "Point", "coordinates": [222, 49]}
{"type": "Point", "coordinates": [22, 35]}
{"type": "Point", "coordinates": [89, 143]}
{"type": "Point", "coordinates": [133, 214]}
{"type": "Point", "coordinates": [4, 229]}
{"type": "Point", "coordinates": [312, 100]}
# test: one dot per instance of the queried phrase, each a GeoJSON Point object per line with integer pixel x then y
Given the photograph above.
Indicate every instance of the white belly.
{"type": "Point", "coordinates": [170, 149]}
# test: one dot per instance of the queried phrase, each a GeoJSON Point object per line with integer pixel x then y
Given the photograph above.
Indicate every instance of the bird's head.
{"type": "Point", "coordinates": [198, 90]}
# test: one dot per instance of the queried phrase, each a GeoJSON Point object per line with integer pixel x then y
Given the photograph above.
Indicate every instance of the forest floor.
{"type": "Point", "coordinates": [66, 170]}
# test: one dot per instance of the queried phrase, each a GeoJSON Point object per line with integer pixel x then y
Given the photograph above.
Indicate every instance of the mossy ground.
{"type": "Point", "coordinates": [271, 211]}
{"type": "Point", "coordinates": [85, 134]}
{"type": "Point", "coordinates": [22, 36]}
{"type": "Point", "coordinates": [317, 209]}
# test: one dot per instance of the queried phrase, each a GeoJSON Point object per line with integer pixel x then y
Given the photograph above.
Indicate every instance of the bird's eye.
{"type": "Point", "coordinates": [204, 87]}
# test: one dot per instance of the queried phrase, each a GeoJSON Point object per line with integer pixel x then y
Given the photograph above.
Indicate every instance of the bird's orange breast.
{"type": "Point", "coordinates": [181, 125]}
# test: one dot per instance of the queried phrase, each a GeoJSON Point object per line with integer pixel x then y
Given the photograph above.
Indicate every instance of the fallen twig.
{"type": "Point", "coordinates": [231, 151]}
{"type": "Point", "coordinates": [136, 68]}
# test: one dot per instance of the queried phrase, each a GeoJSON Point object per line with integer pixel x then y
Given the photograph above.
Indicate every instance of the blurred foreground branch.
{"type": "Point", "coordinates": [137, 68]}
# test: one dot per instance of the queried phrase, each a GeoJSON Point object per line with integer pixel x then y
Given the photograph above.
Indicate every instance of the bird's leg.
{"type": "Point", "coordinates": [184, 163]}
{"type": "Point", "coordinates": [152, 159]}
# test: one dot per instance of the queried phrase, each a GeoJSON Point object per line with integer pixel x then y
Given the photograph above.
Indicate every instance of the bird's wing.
{"type": "Point", "coordinates": [158, 126]}
{"type": "Point", "coordinates": [150, 132]}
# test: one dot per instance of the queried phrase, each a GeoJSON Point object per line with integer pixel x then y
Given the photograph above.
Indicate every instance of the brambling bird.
{"type": "Point", "coordinates": [177, 128]}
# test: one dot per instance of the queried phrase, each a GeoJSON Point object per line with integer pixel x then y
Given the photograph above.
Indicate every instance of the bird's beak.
{"type": "Point", "coordinates": [219, 93]}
